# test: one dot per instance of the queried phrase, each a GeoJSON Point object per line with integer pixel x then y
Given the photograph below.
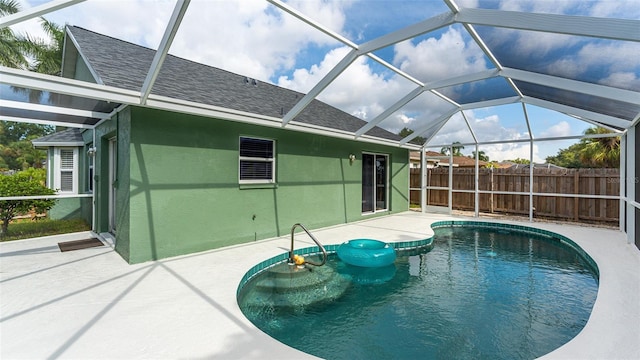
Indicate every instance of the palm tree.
{"type": "Point", "coordinates": [455, 147]}
{"type": "Point", "coordinates": [11, 46]}
{"type": "Point", "coordinates": [601, 152]}
{"type": "Point", "coordinates": [47, 55]}
{"type": "Point", "coordinates": [482, 156]}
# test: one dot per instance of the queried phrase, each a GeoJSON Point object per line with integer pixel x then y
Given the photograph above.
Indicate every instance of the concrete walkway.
{"type": "Point", "coordinates": [90, 304]}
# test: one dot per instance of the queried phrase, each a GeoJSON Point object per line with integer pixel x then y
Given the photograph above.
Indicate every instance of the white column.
{"type": "Point", "coordinates": [423, 180]}
{"type": "Point", "coordinates": [623, 183]}
{"type": "Point", "coordinates": [630, 179]}
{"type": "Point", "coordinates": [531, 167]}
{"type": "Point", "coordinates": [450, 179]}
{"type": "Point", "coordinates": [477, 181]}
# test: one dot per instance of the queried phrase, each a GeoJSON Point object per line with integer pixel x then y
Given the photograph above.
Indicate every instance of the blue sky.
{"type": "Point", "coordinates": [253, 38]}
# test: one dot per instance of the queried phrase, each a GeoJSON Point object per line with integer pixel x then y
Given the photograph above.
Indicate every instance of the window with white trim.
{"type": "Point", "coordinates": [66, 165]}
{"type": "Point", "coordinates": [257, 161]}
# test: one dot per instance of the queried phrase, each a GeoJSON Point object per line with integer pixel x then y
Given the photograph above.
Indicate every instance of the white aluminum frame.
{"type": "Point", "coordinates": [615, 29]}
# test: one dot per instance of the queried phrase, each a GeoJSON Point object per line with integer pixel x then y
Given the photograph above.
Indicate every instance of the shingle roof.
{"type": "Point", "coordinates": [125, 65]}
{"type": "Point", "coordinates": [461, 161]}
{"type": "Point", "coordinates": [68, 137]}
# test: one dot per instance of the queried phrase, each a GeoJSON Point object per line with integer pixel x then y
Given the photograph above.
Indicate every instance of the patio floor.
{"type": "Point", "coordinates": [90, 303]}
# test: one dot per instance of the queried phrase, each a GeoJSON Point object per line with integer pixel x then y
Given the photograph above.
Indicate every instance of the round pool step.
{"type": "Point", "coordinates": [289, 286]}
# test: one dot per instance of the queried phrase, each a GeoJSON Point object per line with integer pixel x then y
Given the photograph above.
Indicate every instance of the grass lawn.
{"type": "Point", "coordinates": [27, 228]}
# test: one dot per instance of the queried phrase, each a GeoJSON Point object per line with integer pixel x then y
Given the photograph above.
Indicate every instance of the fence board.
{"type": "Point", "coordinates": [553, 181]}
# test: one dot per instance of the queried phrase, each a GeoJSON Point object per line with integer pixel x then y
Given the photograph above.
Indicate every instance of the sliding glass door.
{"type": "Point", "coordinates": [374, 183]}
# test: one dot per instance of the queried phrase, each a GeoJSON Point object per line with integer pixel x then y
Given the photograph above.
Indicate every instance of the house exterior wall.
{"type": "Point", "coordinates": [70, 208]}
{"type": "Point", "coordinates": [178, 188]}
{"type": "Point", "coordinates": [82, 71]}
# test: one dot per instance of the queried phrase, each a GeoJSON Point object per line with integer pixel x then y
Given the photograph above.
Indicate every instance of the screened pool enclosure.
{"type": "Point", "coordinates": [497, 77]}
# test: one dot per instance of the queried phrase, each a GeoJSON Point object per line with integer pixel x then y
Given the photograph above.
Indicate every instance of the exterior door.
{"type": "Point", "coordinates": [374, 183]}
{"type": "Point", "coordinates": [113, 161]}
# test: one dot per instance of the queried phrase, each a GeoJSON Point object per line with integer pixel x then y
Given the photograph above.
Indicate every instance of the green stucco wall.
{"type": "Point", "coordinates": [180, 193]}
{"type": "Point", "coordinates": [71, 208]}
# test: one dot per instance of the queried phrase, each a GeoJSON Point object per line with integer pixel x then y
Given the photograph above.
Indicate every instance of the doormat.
{"type": "Point", "coordinates": [79, 244]}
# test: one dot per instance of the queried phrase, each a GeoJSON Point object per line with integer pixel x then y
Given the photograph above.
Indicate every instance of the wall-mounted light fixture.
{"type": "Point", "coordinates": [352, 158]}
{"type": "Point", "coordinates": [91, 151]}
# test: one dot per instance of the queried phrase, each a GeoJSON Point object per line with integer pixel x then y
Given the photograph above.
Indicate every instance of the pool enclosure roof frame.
{"type": "Point", "coordinates": [523, 83]}
{"type": "Point", "coordinates": [603, 28]}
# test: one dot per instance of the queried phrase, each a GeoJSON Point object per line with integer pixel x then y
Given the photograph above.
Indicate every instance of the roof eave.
{"type": "Point", "coordinates": [47, 144]}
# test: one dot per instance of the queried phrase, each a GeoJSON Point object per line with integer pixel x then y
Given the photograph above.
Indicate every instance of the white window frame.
{"type": "Point", "coordinates": [271, 160]}
{"type": "Point", "coordinates": [57, 160]}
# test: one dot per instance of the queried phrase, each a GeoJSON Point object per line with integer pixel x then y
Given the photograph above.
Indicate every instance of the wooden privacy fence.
{"type": "Point", "coordinates": [577, 183]}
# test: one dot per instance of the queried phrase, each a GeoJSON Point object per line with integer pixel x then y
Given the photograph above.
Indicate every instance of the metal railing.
{"type": "Point", "coordinates": [324, 252]}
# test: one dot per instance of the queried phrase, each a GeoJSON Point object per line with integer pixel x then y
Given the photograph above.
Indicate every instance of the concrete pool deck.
{"type": "Point", "coordinates": [91, 304]}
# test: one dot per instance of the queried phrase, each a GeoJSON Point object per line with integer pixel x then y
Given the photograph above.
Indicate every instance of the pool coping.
{"type": "Point", "coordinates": [185, 307]}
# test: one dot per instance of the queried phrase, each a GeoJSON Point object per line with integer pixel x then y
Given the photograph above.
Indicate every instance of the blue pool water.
{"type": "Point", "coordinates": [477, 294]}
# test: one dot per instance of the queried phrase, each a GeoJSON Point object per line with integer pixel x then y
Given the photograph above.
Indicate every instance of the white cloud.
{"type": "Point", "coordinates": [627, 9]}
{"type": "Point", "coordinates": [438, 58]}
{"type": "Point", "coordinates": [120, 19]}
{"type": "Point", "coordinates": [487, 129]}
{"type": "Point", "coordinates": [305, 79]}
{"type": "Point", "coordinates": [598, 8]}
{"type": "Point", "coordinates": [625, 80]}
{"type": "Point", "coordinates": [559, 129]}
{"type": "Point", "coordinates": [511, 151]}
{"type": "Point", "coordinates": [250, 37]}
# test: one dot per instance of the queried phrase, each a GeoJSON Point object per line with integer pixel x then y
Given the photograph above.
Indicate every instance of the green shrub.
{"type": "Point", "coordinates": [24, 183]}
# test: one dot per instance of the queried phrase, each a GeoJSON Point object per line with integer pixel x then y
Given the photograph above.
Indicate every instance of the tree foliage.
{"type": "Point", "coordinates": [28, 52]}
{"type": "Point", "coordinates": [590, 152]}
{"type": "Point", "coordinates": [482, 156]}
{"type": "Point", "coordinates": [520, 161]}
{"type": "Point", "coordinates": [46, 53]}
{"type": "Point", "coordinates": [16, 150]}
{"type": "Point", "coordinates": [11, 46]}
{"type": "Point", "coordinates": [23, 183]}
{"type": "Point", "coordinates": [418, 140]}
{"type": "Point", "coordinates": [456, 148]}
{"type": "Point", "coordinates": [35, 54]}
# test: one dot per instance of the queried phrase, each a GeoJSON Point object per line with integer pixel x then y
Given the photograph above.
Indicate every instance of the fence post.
{"type": "Point", "coordinates": [491, 187]}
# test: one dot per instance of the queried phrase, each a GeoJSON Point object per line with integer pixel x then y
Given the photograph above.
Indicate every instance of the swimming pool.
{"type": "Point", "coordinates": [473, 292]}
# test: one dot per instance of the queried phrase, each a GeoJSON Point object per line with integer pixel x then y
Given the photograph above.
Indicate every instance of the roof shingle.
{"type": "Point", "coordinates": [125, 65]}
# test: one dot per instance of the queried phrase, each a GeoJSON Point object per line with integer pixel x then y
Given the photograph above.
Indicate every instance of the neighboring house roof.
{"type": "Point", "coordinates": [125, 65]}
{"type": "Point", "coordinates": [68, 137]}
{"type": "Point", "coordinates": [460, 161]}
{"type": "Point", "coordinates": [415, 156]}
{"type": "Point", "coordinates": [463, 161]}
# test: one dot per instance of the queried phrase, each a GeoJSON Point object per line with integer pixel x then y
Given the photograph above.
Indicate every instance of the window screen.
{"type": "Point", "coordinates": [257, 162]}
{"type": "Point", "coordinates": [66, 181]}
